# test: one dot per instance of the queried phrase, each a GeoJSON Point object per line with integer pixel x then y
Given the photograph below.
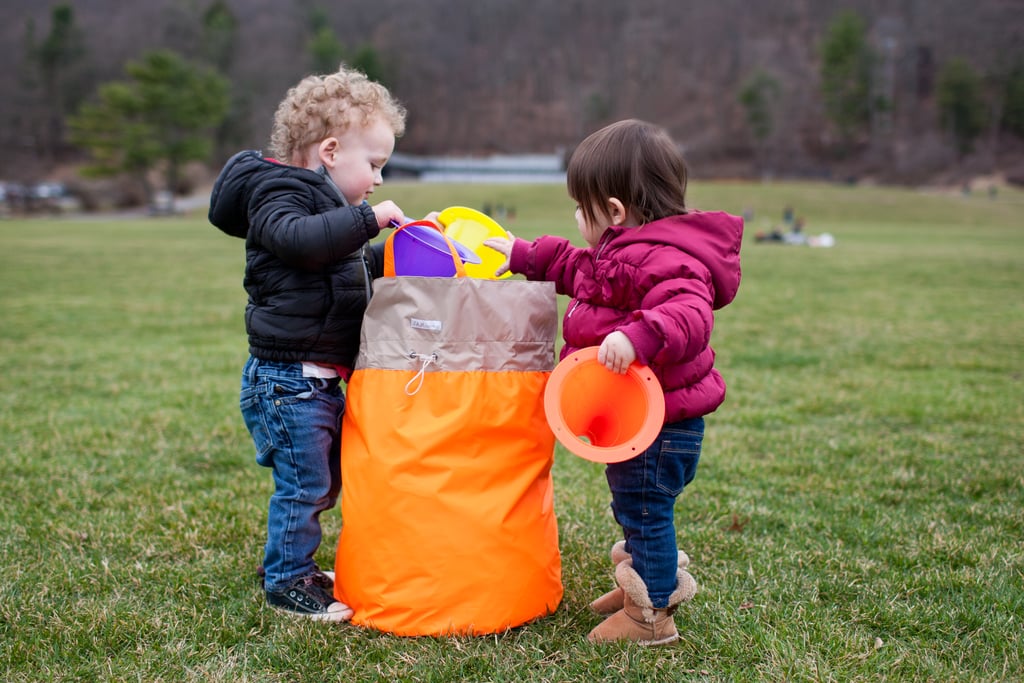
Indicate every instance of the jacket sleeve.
{"type": "Point", "coordinates": [375, 259]}
{"type": "Point", "coordinates": [673, 323]}
{"type": "Point", "coordinates": [283, 221]}
{"type": "Point", "coordinates": [548, 258]}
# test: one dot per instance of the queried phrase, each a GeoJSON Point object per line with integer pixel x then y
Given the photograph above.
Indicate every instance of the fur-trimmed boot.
{"type": "Point", "coordinates": [612, 601]}
{"type": "Point", "coordinates": [639, 620]}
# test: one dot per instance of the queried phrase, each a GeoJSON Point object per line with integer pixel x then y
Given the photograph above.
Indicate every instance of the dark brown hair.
{"type": "Point", "coordinates": [636, 162]}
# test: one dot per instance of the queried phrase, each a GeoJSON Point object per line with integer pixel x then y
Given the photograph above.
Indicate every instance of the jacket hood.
{"type": "Point", "coordinates": [241, 175]}
{"type": "Point", "coordinates": [229, 201]}
{"type": "Point", "coordinates": [712, 237]}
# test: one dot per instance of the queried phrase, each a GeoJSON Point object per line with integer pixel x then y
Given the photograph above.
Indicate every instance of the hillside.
{"type": "Point", "coordinates": [496, 76]}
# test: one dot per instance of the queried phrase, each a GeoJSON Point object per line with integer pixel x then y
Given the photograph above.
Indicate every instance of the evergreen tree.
{"type": "Point", "coordinates": [368, 60]}
{"type": "Point", "coordinates": [1013, 111]}
{"type": "Point", "coordinates": [758, 95]}
{"type": "Point", "coordinates": [325, 50]}
{"type": "Point", "coordinates": [961, 105]}
{"type": "Point", "coordinates": [219, 45]}
{"type": "Point", "coordinates": [56, 78]}
{"type": "Point", "coordinates": [219, 36]}
{"type": "Point", "coordinates": [162, 116]}
{"type": "Point", "coordinates": [846, 77]}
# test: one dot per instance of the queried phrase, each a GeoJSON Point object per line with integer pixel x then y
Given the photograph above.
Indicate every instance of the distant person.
{"type": "Point", "coordinates": [645, 290]}
{"type": "Point", "coordinates": [774, 236]}
{"type": "Point", "coordinates": [796, 234]}
{"type": "Point", "coordinates": [306, 222]}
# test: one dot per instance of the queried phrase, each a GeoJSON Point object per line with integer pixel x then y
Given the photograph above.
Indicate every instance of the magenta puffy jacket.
{"type": "Point", "coordinates": [658, 284]}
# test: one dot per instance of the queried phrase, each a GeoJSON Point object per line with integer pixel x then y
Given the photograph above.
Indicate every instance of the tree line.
{"type": "Point", "coordinates": [185, 101]}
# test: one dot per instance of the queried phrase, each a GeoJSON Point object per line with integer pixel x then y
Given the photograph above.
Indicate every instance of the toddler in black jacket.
{"type": "Point", "coordinates": [306, 222]}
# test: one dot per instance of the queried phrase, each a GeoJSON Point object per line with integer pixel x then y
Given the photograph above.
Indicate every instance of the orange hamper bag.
{"type": "Point", "coordinates": [449, 524]}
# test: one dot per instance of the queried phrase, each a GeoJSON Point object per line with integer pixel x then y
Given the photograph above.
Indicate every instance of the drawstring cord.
{"type": "Point", "coordinates": [426, 361]}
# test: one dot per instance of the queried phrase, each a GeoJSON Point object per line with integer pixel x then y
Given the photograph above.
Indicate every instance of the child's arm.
{"type": "Point", "coordinates": [673, 323]}
{"type": "Point", "coordinates": [282, 224]}
{"type": "Point", "coordinates": [548, 258]}
{"type": "Point", "coordinates": [616, 352]}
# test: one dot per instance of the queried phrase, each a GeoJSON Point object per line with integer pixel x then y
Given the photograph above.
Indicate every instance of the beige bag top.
{"type": "Point", "coordinates": [414, 323]}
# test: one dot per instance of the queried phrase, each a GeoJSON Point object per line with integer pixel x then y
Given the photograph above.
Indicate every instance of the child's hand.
{"type": "Point", "coordinates": [502, 246]}
{"type": "Point", "coordinates": [386, 212]}
{"type": "Point", "coordinates": [616, 352]}
{"type": "Point", "coordinates": [433, 218]}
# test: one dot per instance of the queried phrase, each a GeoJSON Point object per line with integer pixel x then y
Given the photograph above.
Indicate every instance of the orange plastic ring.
{"type": "Point", "coordinates": [599, 415]}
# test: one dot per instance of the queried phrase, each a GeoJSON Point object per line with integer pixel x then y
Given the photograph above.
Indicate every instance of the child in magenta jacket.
{"type": "Point", "coordinates": [644, 290]}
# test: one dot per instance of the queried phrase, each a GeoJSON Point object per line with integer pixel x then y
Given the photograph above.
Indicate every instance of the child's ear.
{"type": "Point", "coordinates": [616, 211]}
{"type": "Point", "coordinates": [327, 151]}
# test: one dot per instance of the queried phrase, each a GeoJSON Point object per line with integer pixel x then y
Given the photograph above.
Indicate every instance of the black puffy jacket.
{"type": "Point", "coordinates": [308, 266]}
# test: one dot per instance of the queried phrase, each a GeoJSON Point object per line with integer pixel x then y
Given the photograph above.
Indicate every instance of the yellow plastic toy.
{"type": "Point", "coordinates": [470, 228]}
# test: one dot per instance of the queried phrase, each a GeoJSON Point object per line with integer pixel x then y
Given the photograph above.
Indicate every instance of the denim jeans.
{"type": "Point", "coordinates": [644, 491]}
{"type": "Point", "coordinates": [295, 423]}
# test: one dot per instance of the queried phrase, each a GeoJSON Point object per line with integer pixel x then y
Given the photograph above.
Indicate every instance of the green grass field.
{"type": "Point", "coordinates": [858, 514]}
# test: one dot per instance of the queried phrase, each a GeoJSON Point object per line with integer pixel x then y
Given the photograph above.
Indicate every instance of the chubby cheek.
{"type": "Point", "coordinates": [581, 225]}
{"type": "Point", "coordinates": [354, 186]}
{"type": "Point", "coordinates": [590, 235]}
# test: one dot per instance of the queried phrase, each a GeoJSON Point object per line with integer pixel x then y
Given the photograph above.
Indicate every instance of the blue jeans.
{"type": "Point", "coordinates": [295, 423]}
{"type": "Point", "coordinates": [644, 491]}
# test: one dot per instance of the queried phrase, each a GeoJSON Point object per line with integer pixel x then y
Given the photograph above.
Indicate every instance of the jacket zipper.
{"type": "Point", "coordinates": [600, 248]}
{"type": "Point", "coordinates": [367, 279]}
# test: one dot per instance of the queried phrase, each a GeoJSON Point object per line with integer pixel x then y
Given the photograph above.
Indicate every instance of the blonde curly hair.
{"type": "Point", "coordinates": [324, 105]}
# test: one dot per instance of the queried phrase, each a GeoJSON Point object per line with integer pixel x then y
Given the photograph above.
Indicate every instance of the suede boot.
{"type": "Point", "coordinates": [638, 620]}
{"type": "Point", "coordinates": [612, 601]}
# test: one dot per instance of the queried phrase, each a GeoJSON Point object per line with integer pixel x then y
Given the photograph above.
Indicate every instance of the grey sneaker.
{"type": "Point", "coordinates": [307, 597]}
{"type": "Point", "coordinates": [323, 579]}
